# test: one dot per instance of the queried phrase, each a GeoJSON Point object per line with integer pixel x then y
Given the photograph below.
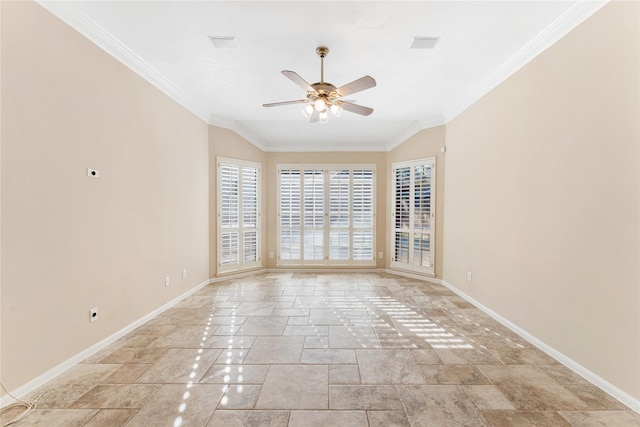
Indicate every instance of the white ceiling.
{"type": "Point", "coordinates": [481, 43]}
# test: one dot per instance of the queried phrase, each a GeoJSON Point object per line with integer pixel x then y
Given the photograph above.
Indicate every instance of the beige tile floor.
{"type": "Point", "coordinates": [293, 349]}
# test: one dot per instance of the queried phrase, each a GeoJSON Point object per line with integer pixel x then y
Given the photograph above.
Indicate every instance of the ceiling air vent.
{"type": "Point", "coordinates": [424, 42]}
{"type": "Point", "coordinates": [224, 42]}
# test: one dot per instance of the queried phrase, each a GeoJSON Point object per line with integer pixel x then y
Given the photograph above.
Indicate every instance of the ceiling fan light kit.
{"type": "Point", "coordinates": [323, 97]}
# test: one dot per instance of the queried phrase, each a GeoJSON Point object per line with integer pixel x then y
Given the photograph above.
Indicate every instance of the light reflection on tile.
{"type": "Point", "coordinates": [307, 349]}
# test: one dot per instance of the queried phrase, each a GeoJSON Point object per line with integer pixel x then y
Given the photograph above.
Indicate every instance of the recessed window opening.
{"type": "Point", "coordinates": [326, 215]}
{"type": "Point", "coordinates": [239, 231]}
{"type": "Point", "coordinates": [413, 215]}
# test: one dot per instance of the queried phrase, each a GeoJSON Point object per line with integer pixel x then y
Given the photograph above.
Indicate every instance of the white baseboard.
{"type": "Point", "coordinates": [328, 270]}
{"type": "Point", "coordinates": [236, 275]}
{"type": "Point", "coordinates": [412, 275]}
{"type": "Point", "coordinates": [615, 392]}
{"type": "Point", "coordinates": [62, 367]}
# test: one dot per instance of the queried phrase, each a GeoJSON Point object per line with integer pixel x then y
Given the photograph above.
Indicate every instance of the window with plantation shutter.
{"type": "Point", "coordinates": [238, 215]}
{"type": "Point", "coordinates": [326, 214]}
{"type": "Point", "coordinates": [413, 202]}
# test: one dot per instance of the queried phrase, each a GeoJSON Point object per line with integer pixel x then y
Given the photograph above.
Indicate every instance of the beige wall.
{"type": "Point", "coordinates": [375, 158]}
{"type": "Point", "coordinates": [426, 143]}
{"type": "Point", "coordinates": [226, 143]}
{"type": "Point", "coordinates": [542, 197]}
{"type": "Point", "coordinates": [70, 242]}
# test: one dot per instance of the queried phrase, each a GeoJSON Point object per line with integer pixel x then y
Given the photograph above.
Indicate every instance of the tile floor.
{"type": "Point", "coordinates": [293, 349]}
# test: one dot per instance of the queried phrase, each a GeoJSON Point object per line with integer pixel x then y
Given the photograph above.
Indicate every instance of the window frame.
{"type": "Point", "coordinates": [411, 264]}
{"type": "Point", "coordinates": [326, 228]}
{"type": "Point", "coordinates": [241, 229]}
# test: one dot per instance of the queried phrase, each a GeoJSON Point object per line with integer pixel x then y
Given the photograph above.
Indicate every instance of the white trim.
{"type": "Point", "coordinates": [413, 275]}
{"type": "Point", "coordinates": [412, 129]}
{"type": "Point", "coordinates": [326, 147]}
{"type": "Point", "coordinates": [234, 125]}
{"type": "Point", "coordinates": [74, 360]}
{"type": "Point", "coordinates": [558, 28]}
{"type": "Point", "coordinates": [328, 269]}
{"type": "Point", "coordinates": [71, 14]}
{"type": "Point", "coordinates": [222, 277]}
{"type": "Point", "coordinates": [625, 398]}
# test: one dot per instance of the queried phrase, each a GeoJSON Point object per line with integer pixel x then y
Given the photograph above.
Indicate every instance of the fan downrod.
{"type": "Point", "coordinates": [322, 51]}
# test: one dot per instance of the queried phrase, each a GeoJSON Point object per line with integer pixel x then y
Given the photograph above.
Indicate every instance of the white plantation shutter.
{"type": "Point", "coordinates": [413, 215]}
{"type": "Point", "coordinates": [422, 215]}
{"type": "Point", "coordinates": [363, 214]}
{"type": "Point", "coordinates": [250, 213]}
{"type": "Point", "coordinates": [401, 205]}
{"type": "Point", "coordinates": [313, 196]}
{"type": "Point", "coordinates": [239, 215]}
{"type": "Point", "coordinates": [326, 214]}
{"type": "Point", "coordinates": [339, 214]}
{"type": "Point", "coordinates": [229, 225]}
{"type": "Point", "coordinates": [290, 214]}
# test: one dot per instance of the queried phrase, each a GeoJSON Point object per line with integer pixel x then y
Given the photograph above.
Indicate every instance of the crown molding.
{"type": "Point", "coordinates": [325, 148]}
{"type": "Point", "coordinates": [72, 15]}
{"type": "Point", "coordinates": [234, 125]}
{"type": "Point", "coordinates": [413, 129]}
{"type": "Point", "coordinates": [575, 14]}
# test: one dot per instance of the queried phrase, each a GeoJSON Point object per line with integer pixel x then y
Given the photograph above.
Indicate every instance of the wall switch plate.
{"type": "Point", "coordinates": [166, 280]}
{"type": "Point", "coordinates": [184, 273]}
{"type": "Point", "coordinates": [93, 173]}
{"type": "Point", "coordinates": [93, 314]}
{"type": "Point", "coordinates": [469, 276]}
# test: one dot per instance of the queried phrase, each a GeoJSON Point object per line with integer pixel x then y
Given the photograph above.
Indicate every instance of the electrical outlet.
{"type": "Point", "coordinates": [167, 280]}
{"type": "Point", "coordinates": [184, 273]}
{"type": "Point", "coordinates": [469, 276]}
{"type": "Point", "coordinates": [93, 314]}
{"type": "Point", "coordinates": [271, 255]}
{"type": "Point", "coordinates": [380, 255]}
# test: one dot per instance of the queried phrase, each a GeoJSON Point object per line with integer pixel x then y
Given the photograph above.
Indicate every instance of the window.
{"type": "Point", "coordinates": [238, 215]}
{"type": "Point", "coordinates": [326, 215]}
{"type": "Point", "coordinates": [413, 204]}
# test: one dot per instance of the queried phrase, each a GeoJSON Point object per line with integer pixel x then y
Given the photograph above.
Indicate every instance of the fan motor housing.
{"type": "Point", "coordinates": [323, 90]}
{"type": "Point", "coordinates": [325, 87]}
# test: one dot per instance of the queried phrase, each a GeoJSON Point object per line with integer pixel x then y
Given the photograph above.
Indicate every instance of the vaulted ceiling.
{"type": "Point", "coordinates": [479, 44]}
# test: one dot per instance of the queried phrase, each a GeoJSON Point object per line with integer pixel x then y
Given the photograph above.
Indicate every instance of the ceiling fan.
{"type": "Point", "coordinates": [323, 97]}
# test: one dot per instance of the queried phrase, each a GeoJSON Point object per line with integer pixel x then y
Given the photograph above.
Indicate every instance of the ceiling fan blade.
{"type": "Point", "coordinates": [277, 104]}
{"type": "Point", "coordinates": [355, 108]}
{"type": "Point", "coordinates": [362, 83]}
{"type": "Point", "coordinates": [294, 77]}
{"type": "Point", "coordinates": [315, 117]}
